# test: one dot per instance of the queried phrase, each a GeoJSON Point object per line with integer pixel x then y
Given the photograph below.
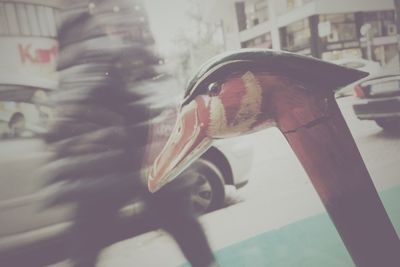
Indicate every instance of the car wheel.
{"type": "Point", "coordinates": [389, 124]}
{"type": "Point", "coordinates": [208, 193]}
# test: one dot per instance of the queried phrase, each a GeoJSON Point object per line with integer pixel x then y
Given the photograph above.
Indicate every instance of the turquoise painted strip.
{"type": "Point", "coordinates": [312, 242]}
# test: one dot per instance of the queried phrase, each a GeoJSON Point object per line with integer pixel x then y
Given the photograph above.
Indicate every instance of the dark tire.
{"type": "Point", "coordinates": [208, 193]}
{"type": "Point", "coordinates": [389, 124]}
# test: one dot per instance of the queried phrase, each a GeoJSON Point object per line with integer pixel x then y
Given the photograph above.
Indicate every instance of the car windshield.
{"type": "Point", "coordinates": [22, 115]}
{"type": "Point", "coordinates": [381, 79]}
{"type": "Point", "coordinates": [353, 65]}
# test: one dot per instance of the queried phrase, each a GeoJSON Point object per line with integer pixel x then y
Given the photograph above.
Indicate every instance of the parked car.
{"type": "Point", "coordinates": [359, 63]}
{"type": "Point", "coordinates": [372, 67]}
{"type": "Point", "coordinates": [379, 100]}
{"type": "Point", "coordinates": [24, 223]}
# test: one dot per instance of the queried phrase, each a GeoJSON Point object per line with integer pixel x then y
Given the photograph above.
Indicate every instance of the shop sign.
{"type": "Point", "coordinates": [28, 54]}
{"type": "Point", "coordinates": [28, 61]}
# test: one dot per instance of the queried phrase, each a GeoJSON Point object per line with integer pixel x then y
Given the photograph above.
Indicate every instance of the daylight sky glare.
{"type": "Point", "coordinates": [167, 19]}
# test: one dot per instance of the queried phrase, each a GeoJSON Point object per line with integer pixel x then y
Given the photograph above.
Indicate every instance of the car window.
{"type": "Point", "coordinates": [382, 79]}
{"type": "Point", "coordinates": [22, 120]}
{"type": "Point", "coordinates": [3, 128]}
{"type": "Point", "coordinates": [354, 65]}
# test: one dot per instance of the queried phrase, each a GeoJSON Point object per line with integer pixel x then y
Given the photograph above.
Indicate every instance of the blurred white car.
{"type": "Point", "coordinates": [359, 63]}
{"type": "Point", "coordinates": [26, 226]}
{"type": "Point", "coordinates": [372, 67]}
{"type": "Point", "coordinates": [378, 99]}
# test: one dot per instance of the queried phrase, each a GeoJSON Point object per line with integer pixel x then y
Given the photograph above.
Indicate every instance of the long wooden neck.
{"type": "Point", "coordinates": [317, 132]}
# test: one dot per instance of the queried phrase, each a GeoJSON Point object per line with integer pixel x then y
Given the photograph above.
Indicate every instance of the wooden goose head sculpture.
{"type": "Point", "coordinates": [247, 90]}
{"type": "Point", "coordinates": [238, 93]}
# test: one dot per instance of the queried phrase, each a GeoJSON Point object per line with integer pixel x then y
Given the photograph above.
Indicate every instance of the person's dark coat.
{"type": "Point", "coordinates": [99, 132]}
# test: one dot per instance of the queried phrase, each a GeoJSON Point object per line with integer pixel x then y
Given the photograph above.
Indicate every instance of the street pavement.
{"type": "Point", "coordinates": [281, 221]}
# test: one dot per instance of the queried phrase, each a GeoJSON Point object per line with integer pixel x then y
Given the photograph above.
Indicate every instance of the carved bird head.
{"type": "Point", "coordinates": [238, 93]}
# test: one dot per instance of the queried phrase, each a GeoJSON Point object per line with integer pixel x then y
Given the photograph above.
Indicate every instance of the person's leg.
{"type": "Point", "coordinates": [90, 231]}
{"type": "Point", "coordinates": [176, 214]}
{"type": "Point", "coordinates": [191, 239]}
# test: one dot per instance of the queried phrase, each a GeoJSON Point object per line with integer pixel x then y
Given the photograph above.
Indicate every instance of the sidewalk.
{"type": "Point", "coordinates": [306, 241]}
{"type": "Point", "coordinates": [311, 242]}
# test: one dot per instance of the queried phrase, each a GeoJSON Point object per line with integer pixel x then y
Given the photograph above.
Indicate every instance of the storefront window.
{"type": "Point", "coordinates": [342, 27]}
{"type": "Point", "coordinates": [391, 51]}
{"type": "Point", "coordinates": [264, 41]}
{"type": "Point", "coordinates": [339, 54]}
{"type": "Point", "coordinates": [3, 20]}
{"type": "Point", "coordinates": [27, 20]}
{"type": "Point", "coordinates": [256, 12]}
{"type": "Point", "coordinates": [385, 54]}
{"type": "Point", "coordinates": [11, 17]}
{"type": "Point", "coordinates": [296, 36]}
{"type": "Point", "coordinates": [346, 31]}
{"type": "Point", "coordinates": [296, 3]}
{"type": "Point", "coordinates": [382, 23]}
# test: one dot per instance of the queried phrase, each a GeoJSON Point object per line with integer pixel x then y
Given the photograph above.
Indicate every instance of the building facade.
{"type": "Point", "coordinates": [28, 51]}
{"type": "Point", "coordinates": [28, 45]}
{"type": "Point", "coordinates": [326, 29]}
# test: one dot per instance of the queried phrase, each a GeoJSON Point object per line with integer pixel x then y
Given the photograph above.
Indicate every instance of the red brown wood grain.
{"type": "Point", "coordinates": [318, 134]}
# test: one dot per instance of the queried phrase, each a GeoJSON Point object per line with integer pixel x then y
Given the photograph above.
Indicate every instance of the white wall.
{"type": "Point", "coordinates": [343, 6]}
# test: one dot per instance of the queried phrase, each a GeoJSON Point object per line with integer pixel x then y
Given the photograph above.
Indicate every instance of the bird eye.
{"type": "Point", "coordinates": [214, 89]}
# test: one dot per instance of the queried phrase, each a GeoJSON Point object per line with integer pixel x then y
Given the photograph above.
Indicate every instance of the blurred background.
{"type": "Point", "coordinates": [258, 206]}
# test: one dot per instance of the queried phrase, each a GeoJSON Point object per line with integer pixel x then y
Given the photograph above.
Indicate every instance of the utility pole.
{"type": "Point", "coordinates": [397, 19]}
{"type": "Point", "coordinates": [367, 38]}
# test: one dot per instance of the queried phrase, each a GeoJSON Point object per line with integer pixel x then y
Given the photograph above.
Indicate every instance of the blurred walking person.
{"type": "Point", "coordinates": [103, 107]}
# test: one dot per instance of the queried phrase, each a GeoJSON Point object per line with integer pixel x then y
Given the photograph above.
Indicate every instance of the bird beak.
{"type": "Point", "coordinates": [188, 141]}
